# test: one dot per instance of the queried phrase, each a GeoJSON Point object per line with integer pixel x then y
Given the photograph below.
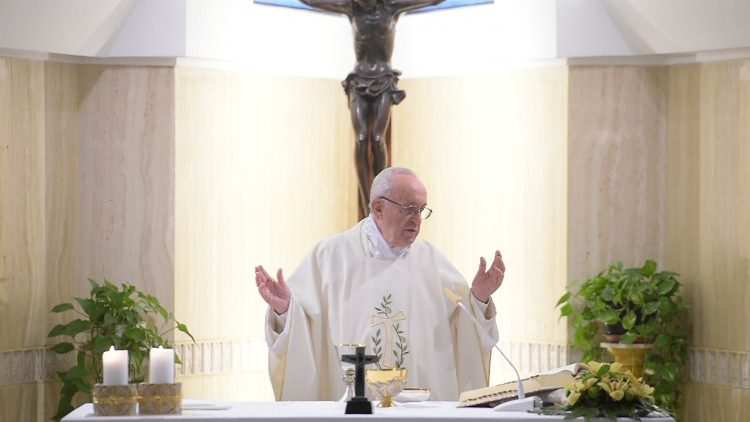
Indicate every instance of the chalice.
{"type": "Point", "coordinates": [348, 368]}
{"type": "Point", "coordinates": [386, 383]}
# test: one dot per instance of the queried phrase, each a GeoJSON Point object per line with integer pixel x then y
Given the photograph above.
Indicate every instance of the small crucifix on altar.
{"type": "Point", "coordinates": [359, 404]}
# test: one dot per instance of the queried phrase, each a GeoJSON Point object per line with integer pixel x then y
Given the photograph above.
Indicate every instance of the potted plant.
{"type": "Point", "coordinates": [125, 318]}
{"type": "Point", "coordinates": [647, 306]}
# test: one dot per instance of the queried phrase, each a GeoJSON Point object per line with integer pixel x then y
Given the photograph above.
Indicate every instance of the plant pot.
{"type": "Point", "coordinates": [632, 357]}
{"type": "Point", "coordinates": [613, 332]}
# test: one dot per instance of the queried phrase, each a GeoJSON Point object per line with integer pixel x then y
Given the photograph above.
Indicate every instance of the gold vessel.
{"type": "Point", "coordinates": [386, 383]}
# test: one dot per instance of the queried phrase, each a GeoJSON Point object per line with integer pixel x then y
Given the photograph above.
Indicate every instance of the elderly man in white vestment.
{"type": "Point", "coordinates": [377, 284]}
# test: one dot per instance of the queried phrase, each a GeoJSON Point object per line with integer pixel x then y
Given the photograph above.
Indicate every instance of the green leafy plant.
{"type": "Point", "coordinates": [648, 306]}
{"type": "Point", "coordinates": [125, 318]}
{"type": "Point", "coordinates": [605, 390]}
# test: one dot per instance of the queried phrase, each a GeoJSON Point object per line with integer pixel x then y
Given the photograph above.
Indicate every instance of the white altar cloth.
{"type": "Point", "coordinates": [321, 411]}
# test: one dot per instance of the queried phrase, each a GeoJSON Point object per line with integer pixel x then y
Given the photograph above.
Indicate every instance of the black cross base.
{"type": "Point", "coordinates": [359, 405]}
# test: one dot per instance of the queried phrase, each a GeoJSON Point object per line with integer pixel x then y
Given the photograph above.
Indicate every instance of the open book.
{"type": "Point", "coordinates": [495, 394]}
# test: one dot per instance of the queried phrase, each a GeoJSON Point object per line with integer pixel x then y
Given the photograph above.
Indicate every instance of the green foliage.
{"type": "Point", "coordinates": [648, 305]}
{"type": "Point", "coordinates": [605, 390]}
{"type": "Point", "coordinates": [123, 318]}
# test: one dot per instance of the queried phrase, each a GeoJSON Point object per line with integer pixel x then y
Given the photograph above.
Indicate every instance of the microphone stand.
{"type": "Point", "coordinates": [520, 404]}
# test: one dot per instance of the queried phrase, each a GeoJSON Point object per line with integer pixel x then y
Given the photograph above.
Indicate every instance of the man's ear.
{"type": "Point", "coordinates": [377, 208]}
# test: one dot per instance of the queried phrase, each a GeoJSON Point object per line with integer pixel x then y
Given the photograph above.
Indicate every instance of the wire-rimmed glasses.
{"type": "Point", "coordinates": [423, 212]}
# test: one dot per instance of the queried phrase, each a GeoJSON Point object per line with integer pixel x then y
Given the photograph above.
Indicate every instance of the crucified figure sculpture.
{"type": "Point", "coordinates": [371, 86]}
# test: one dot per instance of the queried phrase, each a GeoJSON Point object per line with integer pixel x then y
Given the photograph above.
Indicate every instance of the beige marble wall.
{"type": "Point", "coordinates": [264, 170]}
{"type": "Point", "coordinates": [708, 225]}
{"type": "Point", "coordinates": [492, 151]}
{"type": "Point", "coordinates": [86, 190]}
{"type": "Point", "coordinates": [62, 225]}
{"type": "Point", "coordinates": [23, 304]}
{"type": "Point", "coordinates": [617, 149]}
{"type": "Point", "coordinates": [126, 177]}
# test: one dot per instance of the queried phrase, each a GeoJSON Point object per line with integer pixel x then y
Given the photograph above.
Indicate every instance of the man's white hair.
{"type": "Point", "coordinates": [383, 182]}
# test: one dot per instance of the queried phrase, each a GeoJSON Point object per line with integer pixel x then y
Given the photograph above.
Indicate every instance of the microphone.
{"type": "Point", "coordinates": [457, 301]}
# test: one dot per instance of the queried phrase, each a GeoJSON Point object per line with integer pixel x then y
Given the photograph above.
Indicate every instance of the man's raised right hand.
{"type": "Point", "coordinates": [276, 293]}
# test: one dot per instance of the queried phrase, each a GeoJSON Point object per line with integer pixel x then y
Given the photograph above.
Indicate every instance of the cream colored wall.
{"type": "Point", "coordinates": [182, 180]}
{"type": "Point", "coordinates": [492, 150]}
{"type": "Point", "coordinates": [708, 229]}
{"type": "Point", "coordinates": [264, 170]}
{"type": "Point", "coordinates": [23, 296]}
{"type": "Point", "coordinates": [126, 177]}
{"type": "Point", "coordinates": [616, 177]}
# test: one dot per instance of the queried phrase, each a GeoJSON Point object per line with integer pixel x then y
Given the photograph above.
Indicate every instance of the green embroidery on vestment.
{"type": "Point", "coordinates": [395, 341]}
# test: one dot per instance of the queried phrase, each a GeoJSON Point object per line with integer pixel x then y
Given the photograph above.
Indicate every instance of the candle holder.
{"type": "Point", "coordinates": [115, 400]}
{"type": "Point", "coordinates": [160, 399]}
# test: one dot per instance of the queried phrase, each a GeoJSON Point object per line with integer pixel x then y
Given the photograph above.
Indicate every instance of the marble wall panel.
{"type": "Point", "coordinates": [709, 402]}
{"type": "Point", "coordinates": [125, 170]}
{"type": "Point", "coordinates": [616, 155]}
{"type": "Point", "coordinates": [724, 231]}
{"type": "Point", "coordinates": [62, 227]}
{"type": "Point", "coordinates": [6, 192]}
{"type": "Point", "coordinates": [23, 304]}
{"type": "Point", "coordinates": [683, 187]}
{"type": "Point", "coordinates": [19, 402]}
{"type": "Point", "coordinates": [709, 230]}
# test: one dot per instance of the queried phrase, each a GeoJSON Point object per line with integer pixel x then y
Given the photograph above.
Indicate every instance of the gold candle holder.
{"type": "Point", "coordinates": [160, 399]}
{"type": "Point", "coordinates": [115, 400]}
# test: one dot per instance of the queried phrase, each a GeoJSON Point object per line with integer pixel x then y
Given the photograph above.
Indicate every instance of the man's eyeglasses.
{"type": "Point", "coordinates": [422, 211]}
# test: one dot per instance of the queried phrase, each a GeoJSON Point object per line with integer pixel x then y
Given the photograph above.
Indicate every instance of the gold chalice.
{"type": "Point", "coordinates": [386, 383]}
{"type": "Point", "coordinates": [348, 377]}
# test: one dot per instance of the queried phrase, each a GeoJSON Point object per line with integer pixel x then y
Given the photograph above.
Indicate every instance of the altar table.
{"type": "Point", "coordinates": [322, 411]}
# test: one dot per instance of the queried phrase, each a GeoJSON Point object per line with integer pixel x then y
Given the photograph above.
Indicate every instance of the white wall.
{"type": "Point", "coordinates": [269, 39]}
{"type": "Point", "coordinates": [589, 28]}
{"type": "Point", "coordinates": [94, 28]}
{"type": "Point", "coordinates": [475, 39]}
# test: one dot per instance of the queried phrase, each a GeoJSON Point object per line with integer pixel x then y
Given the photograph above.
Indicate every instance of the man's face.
{"type": "Point", "coordinates": [399, 228]}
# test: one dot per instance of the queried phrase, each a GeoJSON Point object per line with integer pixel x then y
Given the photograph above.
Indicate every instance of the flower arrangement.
{"type": "Point", "coordinates": [606, 390]}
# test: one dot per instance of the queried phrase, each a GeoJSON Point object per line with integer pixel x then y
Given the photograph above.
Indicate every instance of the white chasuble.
{"type": "Point", "coordinates": [395, 306]}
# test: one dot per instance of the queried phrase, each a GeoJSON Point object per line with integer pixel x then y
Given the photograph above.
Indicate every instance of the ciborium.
{"type": "Point", "coordinates": [386, 383]}
{"type": "Point", "coordinates": [348, 368]}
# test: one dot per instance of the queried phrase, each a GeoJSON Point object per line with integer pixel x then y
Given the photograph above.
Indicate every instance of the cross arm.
{"type": "Point", "coordinates": [335, 6]}
{"type": "Point", "coordinates": [409, 5]}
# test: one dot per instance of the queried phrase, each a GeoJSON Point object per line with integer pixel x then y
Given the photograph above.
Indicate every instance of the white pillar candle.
{"type": "Point", "coordinates": [115, 365]}
{"type": "Point", "coordinates": [161, 366]}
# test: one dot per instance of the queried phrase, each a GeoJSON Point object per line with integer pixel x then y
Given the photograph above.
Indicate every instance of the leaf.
{"type": "Point", "coordinates": [184, 329]}
{"type": "Point", "coordinates": [649, 267]}
{"type": "Point", "coordinates": [564, 298]}
{"type": "Point", "coordinates": [89, 307]}
{"type": "Point", "coordinates": [629, 321]}
{"type": "Point", "coordinates": [75, 327]}
{"type": "Point", "coordinates": [628, 338]}
{"type": "Point", "coordinates": [57, 330]}
{"type": "Point", "coordinates": [61, 348]}
{"type": "Point", "coordinates": [76, 372]}
{"type": "Point", "coordinates": [666, 287]}
{"type": "Point", "coordinates": [62, 307]}
{"type": "Point", "coordinates": [603, 370]}
{"type": "Point", "coordinates": [566, 310]}
{"type": "Point", "coordinates": [661, 341]}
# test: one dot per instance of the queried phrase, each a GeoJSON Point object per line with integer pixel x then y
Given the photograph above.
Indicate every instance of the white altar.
{"type": "Point", "coordinates": [300, 411]}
